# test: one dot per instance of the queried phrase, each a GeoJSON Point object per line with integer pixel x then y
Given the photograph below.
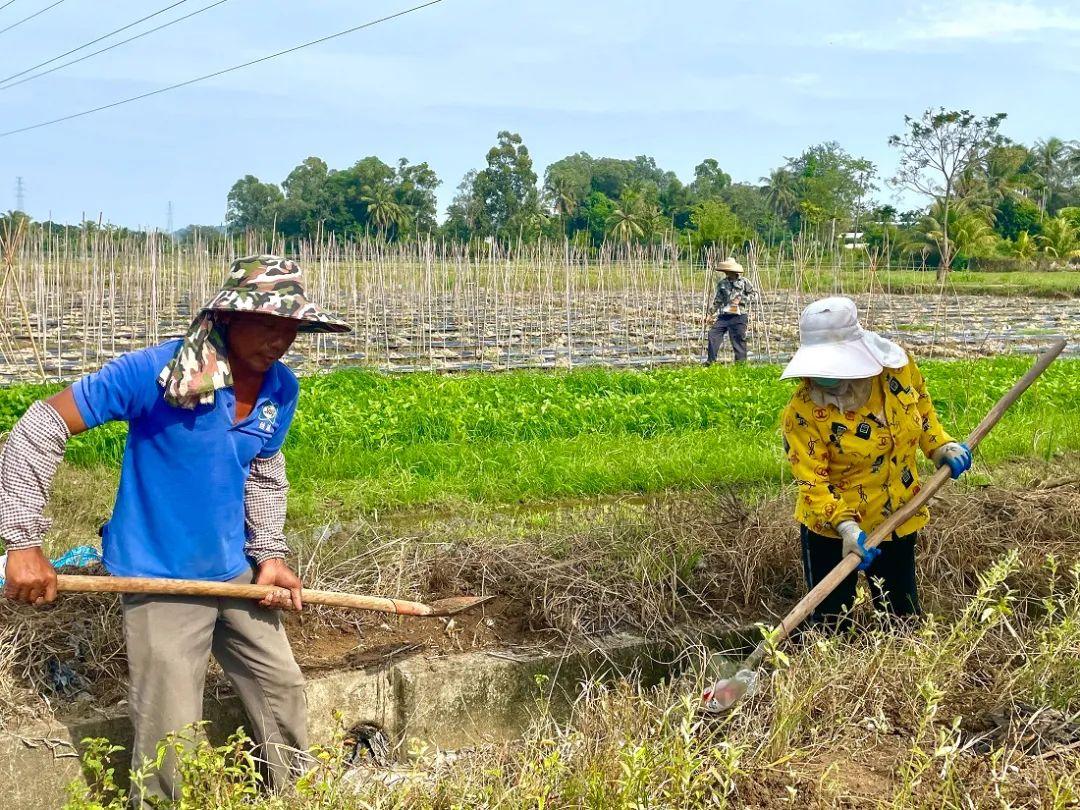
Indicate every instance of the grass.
{"type": "Point", "coordinates": [975, 707]}
{"type": "Point", "coordinates": [1034, 283]}
{"type": "Point", "coordinates": [364, 441]}
{"type": "Point", "coordinates": [882, 718]}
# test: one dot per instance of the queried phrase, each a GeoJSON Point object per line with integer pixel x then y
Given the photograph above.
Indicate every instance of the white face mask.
{"type": "Point", "coordinates": [846, 395]}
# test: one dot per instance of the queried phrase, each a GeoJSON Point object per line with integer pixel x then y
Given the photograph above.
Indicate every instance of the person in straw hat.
{"type": "Point", "coordinates": [202, 496]}
{"type": "Point", "coordinates": [734, 294]}
{"type": "Point", "coordinates": [851, 433]}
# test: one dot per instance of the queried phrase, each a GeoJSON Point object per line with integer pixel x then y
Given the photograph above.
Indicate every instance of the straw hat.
{"type": "Point", "coordinates": [729, 265]}
{"type": "Point", "coordinates": [832, 343]}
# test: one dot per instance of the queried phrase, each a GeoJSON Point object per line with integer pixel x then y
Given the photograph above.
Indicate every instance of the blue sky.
{"type": "Point", "coordinates": [745, 82]}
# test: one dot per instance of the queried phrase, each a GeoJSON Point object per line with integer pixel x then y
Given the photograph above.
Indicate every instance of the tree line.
{"type": "Point", "coordinates": [981, 198]}
{"type": "Point", "coordinates": [985, 196]}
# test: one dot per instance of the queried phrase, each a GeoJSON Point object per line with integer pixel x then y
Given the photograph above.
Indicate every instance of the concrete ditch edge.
{"type": "Point", "coordinates": [447, 702]}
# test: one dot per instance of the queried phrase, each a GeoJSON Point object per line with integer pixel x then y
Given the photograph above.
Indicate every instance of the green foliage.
{"type": "Point", "coordinates": [1016, 215]}
{"type": "Point", "coordinates": [253, 204]}
{"type": "Point", "coordinates": [373, 440]}
{"type": "Point", "coordinates": [1022, 247]}
{"type": "Point", "coordinates": [369, 197]}
{"type": "Point", "coordinates": [967, 233]}
{"type": "Point", "coordinates": [830, 185]}
{"type": "Point", "coordinates": [509, 205]}
{"type": "Point", "coordinates": [716, 224]}
{"type": "Point", "coordinates": [709, 180]}
{"type": "Point", "coordinates": [1059, 239]}
{"type": "Point", "coordinates": [1072, 214]}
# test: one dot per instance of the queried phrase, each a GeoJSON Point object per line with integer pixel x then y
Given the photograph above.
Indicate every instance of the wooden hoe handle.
{"type": "Point", "coordinates": [193, 587]}
{"type": "Point", "coordinates": [817, 594]}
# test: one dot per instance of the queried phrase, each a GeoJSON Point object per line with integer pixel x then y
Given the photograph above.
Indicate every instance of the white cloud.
{"type": "Point", "coordinates": [968, 20]}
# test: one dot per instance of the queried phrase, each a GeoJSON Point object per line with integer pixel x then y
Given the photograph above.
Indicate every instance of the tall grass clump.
{"type": "Point", "coordinates": [949, 713]}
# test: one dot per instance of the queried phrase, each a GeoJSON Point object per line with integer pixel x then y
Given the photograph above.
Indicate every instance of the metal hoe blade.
{"type": "Point", "coordinates": [725, 693]}
{"type": "Point", "coordinates": [457, 604]}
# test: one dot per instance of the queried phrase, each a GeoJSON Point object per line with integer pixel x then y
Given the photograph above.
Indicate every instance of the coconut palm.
{"type": "Point", "coordinates": [625, 224]}
{"type": "Point", "coordinates": [563, 202]}
{"type": "Point", "coordinates": [1023, 247]}
{"type": "Point", "coordinates": [969, 233]}
{"type": "Point", "coordinates": [382, 209]}
{"type": "Point", "coordinates": [1001, 175]}
{"type": "Point", "coordinates": [635, 217]}
{"type": "Point", "coordinates": [782, 191]}
{"type": "Point", "coordinates": [1052, 157]}
{"type": "Point", "coordinates": [1059, 239]}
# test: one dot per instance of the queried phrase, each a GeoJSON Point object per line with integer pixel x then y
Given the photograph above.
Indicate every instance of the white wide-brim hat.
{"type": "Point", "coordinates": [832, 343]}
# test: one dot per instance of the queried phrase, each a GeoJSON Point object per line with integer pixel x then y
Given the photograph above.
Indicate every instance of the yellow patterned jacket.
{"type": "Point", "coordinates": [860, 465]}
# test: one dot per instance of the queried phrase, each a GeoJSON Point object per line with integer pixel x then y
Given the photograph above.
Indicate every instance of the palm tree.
{"type": "Point", "coordinates": [1001, 175]}
{"type": "Point", "coordinates": [1059, 239]}
{"type": "Point", "coordinates": [624, 224]}
{"type": "Point", "coordinates": [561, 197]}
{"type": "Point", "coordinates": [1051, 159]}
{"type": "Point", "coordinates": [782, 191]}
{"type": "Point", "coordinates": [382, 209]}
{"type": "Point", "coordinates": [973, 235]}
{"type": "Point", "coordinates": [1023, 247]}
{"type": "Point", "coordinates": [969, 233]}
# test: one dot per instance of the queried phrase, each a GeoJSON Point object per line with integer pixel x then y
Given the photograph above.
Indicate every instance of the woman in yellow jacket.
{"type": "Point", "coordinates": [851, 434]}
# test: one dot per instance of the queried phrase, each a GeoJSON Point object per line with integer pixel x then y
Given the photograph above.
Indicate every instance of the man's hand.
{"type": "Point", "coordinates": [29, 577]}
{"type": "Point", "coordinates": [275, 572]}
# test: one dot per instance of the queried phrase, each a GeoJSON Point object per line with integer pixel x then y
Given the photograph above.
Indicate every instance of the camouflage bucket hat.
{"type": "Point", "coordinates": [273, 286]}
{"type": "Point", "coordinates": [264, 284]}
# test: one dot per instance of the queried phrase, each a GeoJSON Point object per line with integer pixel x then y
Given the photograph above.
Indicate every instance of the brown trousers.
{"type": "Point", "coordinates": [169, 640]}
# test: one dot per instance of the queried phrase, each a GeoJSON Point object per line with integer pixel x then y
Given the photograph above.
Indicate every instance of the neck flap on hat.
{"type": "Point", "coordinates": [199, 367]}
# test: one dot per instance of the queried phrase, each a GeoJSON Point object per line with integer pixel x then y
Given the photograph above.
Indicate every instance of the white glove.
{"type": "Point", "coordinates": [854, 539]}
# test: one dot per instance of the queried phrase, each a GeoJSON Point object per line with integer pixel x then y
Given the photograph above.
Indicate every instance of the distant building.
{"type": "Point", "coordinates": [853, 240]}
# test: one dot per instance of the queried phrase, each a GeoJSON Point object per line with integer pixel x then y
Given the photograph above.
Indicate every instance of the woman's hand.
{"type": "Point", "coordinates": [29, 577]}
{"type": "Point", "coordinates": [955, 456]}
{"type": "Point", "coordinates": [287, 594]}
{"type": "Point", "coordinates": [854, 540]}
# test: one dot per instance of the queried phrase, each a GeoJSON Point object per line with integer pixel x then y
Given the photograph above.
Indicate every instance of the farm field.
{"type": "Point", "coordinates": [419, 308]}
{"type": "Point", "coordinates": [595, 501]}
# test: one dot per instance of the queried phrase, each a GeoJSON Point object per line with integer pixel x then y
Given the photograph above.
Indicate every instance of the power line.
{"type": "Point", "coordinates": [91, 42]}
{"type": "Point", "coordinates": [27, 19]}
{"type": "Point", "coordinates": [109, 47]}
{"type": "Point", "coordinates": [222, 72]}
{"type": "Point", "coordinates": [8, 3]}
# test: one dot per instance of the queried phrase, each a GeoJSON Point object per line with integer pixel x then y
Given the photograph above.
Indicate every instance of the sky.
{"type": "Point", "coordinates": [748, 83]}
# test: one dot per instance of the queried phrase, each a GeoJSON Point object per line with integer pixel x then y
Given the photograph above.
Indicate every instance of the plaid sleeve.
{"type": "Point", "coordinates": [28, 461]}
{"type": "Point", "coordinates": [265, 498]}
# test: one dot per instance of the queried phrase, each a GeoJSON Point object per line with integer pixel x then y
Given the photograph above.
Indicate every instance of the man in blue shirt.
{"type": "Point", "coordinates": [202, 495]}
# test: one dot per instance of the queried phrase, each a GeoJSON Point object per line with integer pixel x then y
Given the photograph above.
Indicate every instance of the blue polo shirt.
{"type": "Point", "coordinates": [179, 509]}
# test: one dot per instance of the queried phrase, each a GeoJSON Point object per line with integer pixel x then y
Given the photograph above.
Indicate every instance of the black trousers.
{"type": "Point", "coordinates": [891, 577]}
{"type": "Point", "coordinates": [734, 326]}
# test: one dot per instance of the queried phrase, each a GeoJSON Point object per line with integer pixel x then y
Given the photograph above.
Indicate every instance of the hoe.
{"type": "Point", "coordinates": [73, 583]}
